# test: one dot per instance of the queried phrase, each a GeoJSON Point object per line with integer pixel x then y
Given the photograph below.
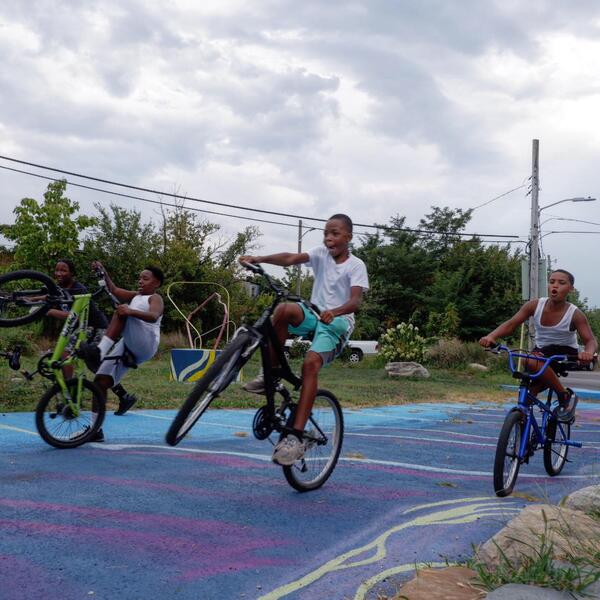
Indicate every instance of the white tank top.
{"type": "Point", "coordinates": [559, 334]}
{"type": "Point", "coordinates": [142, 303]}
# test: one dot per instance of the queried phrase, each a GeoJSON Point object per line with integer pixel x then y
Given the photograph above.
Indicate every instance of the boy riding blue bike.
{"type": "Point", "coordinates": [340, 280]}
{"type": "Point", "coordinates": [557, 323]}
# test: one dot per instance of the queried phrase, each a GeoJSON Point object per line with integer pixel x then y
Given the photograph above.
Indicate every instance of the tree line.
{"type": "Point", "coordinates": [446, 283]}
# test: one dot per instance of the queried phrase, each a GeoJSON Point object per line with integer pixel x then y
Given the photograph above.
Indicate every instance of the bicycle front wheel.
{"type": "Point", "coordinates": [555, 452]}
{"type": "Point", "coordinates": [23, 297]}
{"type": "Point", "coordinates": [65, 424]}
{"type": "Point", "coordinates": [323, 436]}
{"type": "Point", "coordinates": [507, 462]}
{"type": "Point", "coordinates": [220, 374]}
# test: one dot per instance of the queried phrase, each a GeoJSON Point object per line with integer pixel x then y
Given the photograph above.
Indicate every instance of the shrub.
{"type": "Point", "coordinates": [298, 348]}
{"type": "Point", "coordinates": [402, 343]}
{"type": "Point", "coordinates": [454, 354]}
{"type": "Point", "coordinates": [10, 338]}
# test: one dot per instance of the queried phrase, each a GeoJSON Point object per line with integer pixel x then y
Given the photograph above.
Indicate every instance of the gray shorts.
{"type": "Point", "coordinates": [139, 344]}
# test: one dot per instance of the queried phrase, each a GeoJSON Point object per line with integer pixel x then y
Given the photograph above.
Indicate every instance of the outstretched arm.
{"type": "Point", "coordinates": [282, 259]}
{"type": "Point", "coordinates": [525, 312]}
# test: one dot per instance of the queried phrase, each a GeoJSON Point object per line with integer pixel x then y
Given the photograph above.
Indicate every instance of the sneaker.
{"type": "Point", "coordinates": [125, 403]}
{"type": "Point", "coordinates": [256, 386]}
{"type": "Point", "coordinates": [98, 436]}
{"type": "Point", "coordinates": [91, 355]}
{"type": "Point", "coordinates": [288, 451]}
{"type": "Point", "coordinates": [565, 411]}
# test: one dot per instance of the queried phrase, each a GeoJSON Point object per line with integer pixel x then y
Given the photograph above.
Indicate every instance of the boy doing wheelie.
{"type": "Point", "coordinates": [340, 280]}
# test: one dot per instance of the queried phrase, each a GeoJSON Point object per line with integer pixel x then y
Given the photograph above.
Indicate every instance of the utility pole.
{"type": "Point", "coordinates": [299, 267]}
{"type": "Point", "coordinates": [534, 248]}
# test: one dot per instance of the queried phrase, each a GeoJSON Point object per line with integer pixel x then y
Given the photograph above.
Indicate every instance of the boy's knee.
{"type": "Point", "coordinates": [312, 364]}
{"type": "Point", "coordinates": [288, 313]}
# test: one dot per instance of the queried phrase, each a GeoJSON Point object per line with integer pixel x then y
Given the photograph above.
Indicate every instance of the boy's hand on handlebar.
{"type": "Point", "coordinates": [586, 357]}
{"type": "Point", "coordinates": [249, 259]}
{"type": "Point", "coordinates": [487, 342]}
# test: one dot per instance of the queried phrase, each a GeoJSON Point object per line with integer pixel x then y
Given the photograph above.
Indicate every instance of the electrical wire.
{"type": "Point", "coordinates": [238, 207]}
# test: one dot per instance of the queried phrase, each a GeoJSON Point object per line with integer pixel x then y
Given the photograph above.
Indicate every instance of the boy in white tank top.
{"type": "Point", "coordinates": [557, 323]}
{"type": "Point", "coordinates": [136, 322]}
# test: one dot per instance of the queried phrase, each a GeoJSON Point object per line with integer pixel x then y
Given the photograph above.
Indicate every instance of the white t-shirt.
{"type": "Point", "coordinates": [334, 280]}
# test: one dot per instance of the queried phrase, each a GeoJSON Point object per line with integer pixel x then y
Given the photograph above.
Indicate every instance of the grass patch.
{"type": "Point", "coordinates": [359, 385]}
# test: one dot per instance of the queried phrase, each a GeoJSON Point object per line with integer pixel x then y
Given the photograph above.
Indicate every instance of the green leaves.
{"type": "Point", "coordinates": [402, 343]}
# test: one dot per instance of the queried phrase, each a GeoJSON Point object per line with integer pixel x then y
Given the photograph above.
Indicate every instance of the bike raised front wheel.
{"type": "Point", "coordinates": [555, 452]}
{"type": "Point", "coordinates": [219, 375]}
{"type": "Point", "coordinates": [68, 424]}
{"type": "Point", "coordinates": [323, 435]}
{"type": "Point", "coordinates": [23, 297]}
{"type": "Point", "coordinates": [507, 463]}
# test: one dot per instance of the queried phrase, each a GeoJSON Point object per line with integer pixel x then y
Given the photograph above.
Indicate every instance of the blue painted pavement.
{"type": "Point", "coordinates": [212, 518]}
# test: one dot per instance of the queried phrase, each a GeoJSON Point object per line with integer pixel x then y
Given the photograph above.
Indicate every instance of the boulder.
{"type": "Point", "coordinates": [451, 583]}
{"type": "Point", "coordinates": [586, 499]}
{"type": "Point", "coordinates": [406, 369]}
{"type": "Point", "coordinates": [568, 531]}
{"type": "Point", "coordinates": [477, 367]}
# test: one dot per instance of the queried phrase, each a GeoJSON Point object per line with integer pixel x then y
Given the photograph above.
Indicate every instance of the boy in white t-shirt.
{"type": "Point", "coordinates": [340, 280]}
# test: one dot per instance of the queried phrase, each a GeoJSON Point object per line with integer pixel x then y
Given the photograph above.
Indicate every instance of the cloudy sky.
{"type": "Point", "coordinates": [374, 108]}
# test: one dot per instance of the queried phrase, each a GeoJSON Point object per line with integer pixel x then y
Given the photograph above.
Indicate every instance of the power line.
{"type": "Point", "coordinates": [498, 197]}
{"type": "Point", "coordinates": [238, 207]}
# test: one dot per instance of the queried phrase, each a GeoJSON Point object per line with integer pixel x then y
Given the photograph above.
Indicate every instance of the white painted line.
{"type": "Point", "coordinates": [19, 429]}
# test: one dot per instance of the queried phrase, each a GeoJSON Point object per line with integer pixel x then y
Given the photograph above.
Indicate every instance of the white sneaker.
{"type": "Point", "coordinates": [256, 385]}
{"type": "Point", "coordinates": [288, 451]}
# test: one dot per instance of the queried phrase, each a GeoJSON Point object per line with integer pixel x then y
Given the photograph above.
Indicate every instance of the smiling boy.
{"type": "Point", "coordinates": [557, 323]}
{"type": "Point", "coordinates": [340, 280]}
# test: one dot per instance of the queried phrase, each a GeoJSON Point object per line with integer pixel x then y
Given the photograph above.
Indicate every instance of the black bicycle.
{"type": "Point", "coordinates": [324, 430]}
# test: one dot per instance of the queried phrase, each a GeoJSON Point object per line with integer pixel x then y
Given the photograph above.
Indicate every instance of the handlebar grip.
{"type": "Point", "coordinates": [252, 267]}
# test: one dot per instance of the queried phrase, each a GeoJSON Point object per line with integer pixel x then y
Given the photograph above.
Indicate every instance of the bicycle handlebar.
{"type": "Point", "coordinates": [559, 359]}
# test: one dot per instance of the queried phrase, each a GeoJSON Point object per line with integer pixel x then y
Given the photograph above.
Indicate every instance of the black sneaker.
{"type": "Point", "coordinates": [565, 411]}
{"type": "Point", "coordinates": [125, 403]}
{"type": "Point", "coordinates": [91, 355]}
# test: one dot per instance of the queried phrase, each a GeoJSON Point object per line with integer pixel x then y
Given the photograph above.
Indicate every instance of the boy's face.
{"type": "Point", "coordinates": [147, 283]}
{"type": "Point", "coordinates": [336, 237]}
{"type": "Point", "coordinates": [62, 274]}
{"type": "Point", "coordinates": [559, 286]}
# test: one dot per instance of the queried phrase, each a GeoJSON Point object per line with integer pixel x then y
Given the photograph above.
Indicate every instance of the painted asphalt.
{"type": "Point", "coordinates": [133, 518]}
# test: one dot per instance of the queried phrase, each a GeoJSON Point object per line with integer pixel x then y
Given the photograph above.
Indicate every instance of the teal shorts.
{"type": "Point", "coordinates": [328, 340]}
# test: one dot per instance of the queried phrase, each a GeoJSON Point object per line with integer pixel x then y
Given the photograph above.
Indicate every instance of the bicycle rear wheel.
{"type": "Point", "coordinates": [323, 434]}
{"type": "Point", "coordinates": [555, 453]}
{"type": "Point", "coordinates": [221, 373]}
{"type": "Point", "coordinates": [507, 463]}
{"type": "Point", "coordinates": [62, 427]}
{"type": "Point", "coordinates": [16, 292]}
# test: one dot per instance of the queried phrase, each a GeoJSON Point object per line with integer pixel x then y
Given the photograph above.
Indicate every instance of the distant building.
{"type": "Point", "coordinates": [252, 289]}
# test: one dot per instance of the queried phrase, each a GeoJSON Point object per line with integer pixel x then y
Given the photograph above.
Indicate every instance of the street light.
{"type": "Point", "coordinates": [577, 199]}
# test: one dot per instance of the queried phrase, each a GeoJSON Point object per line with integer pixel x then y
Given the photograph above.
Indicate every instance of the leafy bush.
{"type": "Point", "coordinates": [25, 338]}
{"type": "Point", "coordinates": [454, 354]}
{"type": "Point", "coordinates": [402, 343]}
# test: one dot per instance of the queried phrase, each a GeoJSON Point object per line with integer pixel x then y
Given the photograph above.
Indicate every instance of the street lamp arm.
{"type": "Point", "coordinates": [577, 199]}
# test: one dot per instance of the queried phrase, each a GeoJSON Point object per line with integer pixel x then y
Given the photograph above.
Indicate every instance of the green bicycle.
{"type": "Point", "coordinates": [72, 410]}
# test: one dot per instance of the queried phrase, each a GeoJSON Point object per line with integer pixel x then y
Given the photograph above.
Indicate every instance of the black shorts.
{"type": "Point", "coordinates": [557, 349]}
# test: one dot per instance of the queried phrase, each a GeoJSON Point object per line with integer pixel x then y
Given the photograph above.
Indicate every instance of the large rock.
{"type": "Point", "coordinates": [406, 369]}
{"type": "Point", "coordinates": [568, 531]}
{"type": "Point", "coordinates": [586, 499]}
{"type": "Point", "coordinates": [477, 367]}
{"type": "Point", "coordinates": [452, 583]}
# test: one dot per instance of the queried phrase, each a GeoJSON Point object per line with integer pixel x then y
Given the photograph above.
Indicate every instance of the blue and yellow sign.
{"type": "Point", "coordinates": [189, 364]}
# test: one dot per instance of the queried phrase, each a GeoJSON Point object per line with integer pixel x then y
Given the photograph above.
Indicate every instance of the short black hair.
{"type": "Point", "coordinates": [157, 272]}
{"type": "Point", "coordinates": [569, 275]}
{"type": "Point", "coordinates": [345, 219]}
{"type": "Point", "coordinates": [69, 264]}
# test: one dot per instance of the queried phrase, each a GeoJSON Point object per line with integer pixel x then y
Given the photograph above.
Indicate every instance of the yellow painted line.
{"type": "Point", "coordinates": [377, 548]}
{"type": "Point", "coordinates": [11, 428]}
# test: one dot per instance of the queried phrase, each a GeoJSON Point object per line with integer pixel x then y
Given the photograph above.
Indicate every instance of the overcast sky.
{"type": "Point", "coordinates": [374, 108]}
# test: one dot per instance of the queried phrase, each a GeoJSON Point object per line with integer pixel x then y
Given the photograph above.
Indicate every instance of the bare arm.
{"type": "Point", "coordinates": [282, 259]}
{"type": "Point", "coordinates": [121, 294]}
{"type": "Point", "coordinates": [525, 312]}
{"type": "Point", "coordinates": [587, 336]}
{"type": "Point", "coordinates": [58, 314]}
{"type": "Point", "coordinates": [353, 304]}
{"type": "Point", "coordinates": [156, 306]}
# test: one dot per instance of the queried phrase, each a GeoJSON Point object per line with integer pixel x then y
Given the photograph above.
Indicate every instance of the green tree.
{"type": "Point", "coordinates": [44, 232]}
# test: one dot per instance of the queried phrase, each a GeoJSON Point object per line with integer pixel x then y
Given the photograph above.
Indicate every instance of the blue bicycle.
{"type": "Point", "coordinates": [522, 435]}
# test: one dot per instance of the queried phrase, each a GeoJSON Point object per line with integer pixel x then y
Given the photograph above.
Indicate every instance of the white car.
{"type": "Point", "coordinates": [357, 348]}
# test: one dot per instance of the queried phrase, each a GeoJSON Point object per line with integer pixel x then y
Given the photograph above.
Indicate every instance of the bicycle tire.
{"type": "Point", "coordinates": [320, 458]}
{"type": "Point", "coordinates": [70, 431]}
{"type": "Point", "coordinates": [219, 375]}
{"type": "Point", "coordinates": [554, 460]}
{"type": "Point", "coordinates": [509, 441]}
{"type": "Point", "coordinates": [15, 311]}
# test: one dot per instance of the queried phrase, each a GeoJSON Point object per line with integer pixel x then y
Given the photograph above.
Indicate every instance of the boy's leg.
{"type": "Point", "coordinates": [549, 379]}
{"type": "Point", "coordinates": [94, 353]}
{"type": "Point", "coordinates": [310, 380]}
